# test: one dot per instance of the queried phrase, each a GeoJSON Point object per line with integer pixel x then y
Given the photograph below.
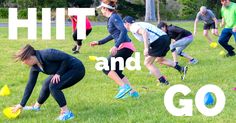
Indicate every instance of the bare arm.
{"type": "Point", "coordinates": [195, 26]}
{"type": "Point", "coordinates": [216, 22]}
{"type": "Point", "coordinates": [222, 22]}
{"type": "Point", "coordinates": [144, 34]}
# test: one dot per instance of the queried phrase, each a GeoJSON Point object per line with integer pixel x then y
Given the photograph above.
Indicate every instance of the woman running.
{"type": "Point", "coordinates": [123, 48]}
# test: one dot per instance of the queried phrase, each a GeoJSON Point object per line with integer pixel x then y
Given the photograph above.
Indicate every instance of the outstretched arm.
{"type": "Point", "coordinates": [144, 34]}
{"type": "Point", "coordinates": [195, 26]}
{"type": "Point", "coordinates": [216, 22]}
{"type": "Point", "coordinates": [30, 86]}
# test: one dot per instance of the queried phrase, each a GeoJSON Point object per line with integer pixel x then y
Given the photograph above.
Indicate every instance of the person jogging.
{"type": "Point", "coordinates": [182, 38]}
{"type": "Point", "coordinates": [123, 48]}
{"type": "Point", "coordinates": [156, 45]}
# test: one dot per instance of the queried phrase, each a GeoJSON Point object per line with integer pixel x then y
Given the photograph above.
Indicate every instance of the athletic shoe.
{"type": "Point", "coordinates": [124, 90]}
{"type": "Point", "coordinates": [66, 116]}
{"type": "Point", "coordinates": [74, 48]}
{"type": "Point", "coordinates": [75, 52]}
{"type": "Point", "coordinates": [165, 83]}
{"type": "Point", "coordinates": [230, 54]}
{"type": "Point", "coordinates": [193, 61]}
{"type": "Point", "coordinates": [134, 94]}
{"type": "Point", "coordinates": [32, 108]}
{"type": "Point", "coordinates": [184, 72]}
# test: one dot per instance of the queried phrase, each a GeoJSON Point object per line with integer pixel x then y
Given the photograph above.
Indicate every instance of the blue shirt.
{"type": "Point", "coordinates": [118, 32]}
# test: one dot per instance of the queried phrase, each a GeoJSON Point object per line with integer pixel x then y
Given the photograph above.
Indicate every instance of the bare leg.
{"type": "Point", "coordinates": [167, 62]}
{"type": "Point", "coordinates": [174, 55]}
{"type": "Point", "coordinates": [113, 75]}
{"type": "Point", "coordinates": [126, 81]}
{"type": "Point", "coordinates": [205, 33]}
{"type": "Point", "coordinates": [187, 56]}
{"type": "Point", "coordinates": [37, 104]}
{"type": "Point", "coordinates": [64, 109]}
{"type": "Point", "coordinates": [151, 67]}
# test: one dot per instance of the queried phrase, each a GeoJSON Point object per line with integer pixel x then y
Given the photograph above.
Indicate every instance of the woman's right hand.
{"type": "Point", "coordinates": [16, 108]}
{"type": "Point", "coordinates": [93, 43]}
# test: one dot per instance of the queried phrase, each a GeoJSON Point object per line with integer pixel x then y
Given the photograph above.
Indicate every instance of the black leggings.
{"type": "Point", "coordinates": [79, 41]}
{"type": "Point", "coordinates": [68, 79]}
{"type": "Point", "coordinates": [124, 53]}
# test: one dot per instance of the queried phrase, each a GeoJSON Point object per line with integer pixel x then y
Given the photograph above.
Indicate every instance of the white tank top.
{"type": "Point", "coordinates": [153, 32]}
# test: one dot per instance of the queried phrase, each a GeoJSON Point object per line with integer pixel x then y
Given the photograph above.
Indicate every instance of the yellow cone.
{"type": "Point", "coordinates": [92, 58]}
{"type": "Point", "coordinates": [222, 53]}
{"type": "Point", "coordinates": [9, 114]}
{"type": "Point", "coordinates": [5, 91]}
{"type": "Point", "coordinates": [213, 44]}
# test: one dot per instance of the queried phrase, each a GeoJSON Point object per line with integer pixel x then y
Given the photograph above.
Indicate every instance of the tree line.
{"type": "Point", "coordinates": [149, 10]}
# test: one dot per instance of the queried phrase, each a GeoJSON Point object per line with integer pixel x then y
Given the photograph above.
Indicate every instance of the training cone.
{"type": "Point", "coordinates": [5, 91]}
{"type": "Point", "coordinates": [222, 53]}
{"type": "Point", "coordinates": [213, 44]}
{"type": "Point", "coordinates": [208, 99]}
{"type": "Point", "coordinates": [92, 58]}
{"type": "Point", "coordinates": [9, 114]}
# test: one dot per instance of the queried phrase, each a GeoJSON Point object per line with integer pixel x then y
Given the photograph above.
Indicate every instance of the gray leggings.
{"type": "Point", "coordinates": [181, 44]}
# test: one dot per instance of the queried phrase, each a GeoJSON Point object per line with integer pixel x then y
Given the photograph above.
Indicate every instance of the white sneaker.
{"type": "Point", "coordinates": [193, 61]}
{"type": "Point", "coordinates": [32, 108]}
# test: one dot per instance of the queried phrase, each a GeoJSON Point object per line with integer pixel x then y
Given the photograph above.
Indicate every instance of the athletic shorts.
{"type": "Point", "coordinates": [209, 26]}
{"type": "Point", "coordinates": [160, 47]}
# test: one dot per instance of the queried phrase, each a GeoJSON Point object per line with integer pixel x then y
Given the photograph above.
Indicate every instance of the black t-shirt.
{"type": "Point", "coordinates": [175, 32]}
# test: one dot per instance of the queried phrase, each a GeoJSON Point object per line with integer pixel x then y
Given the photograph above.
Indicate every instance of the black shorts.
{"type": "Point", "coordinates": [74, 35]}
{"type": "Point", "coordinates": [124, 53]}
{"type": "Point", "coordinates": [209, 26]}
{"type": "Point", "coordinates": [160, 47]}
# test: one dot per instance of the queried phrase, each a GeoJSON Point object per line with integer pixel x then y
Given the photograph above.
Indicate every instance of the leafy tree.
{"type": "Point", "coordinates": [189, 8]}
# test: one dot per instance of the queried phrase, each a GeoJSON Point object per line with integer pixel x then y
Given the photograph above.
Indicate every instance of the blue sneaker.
{"type": "Point", "coordinates": [135, 94]}
{"type": "Point", "coordinates": [66, 116]}
{"type": "Point", "coordinates": [124, 90]}
{"type": "Point", "coordinates": [32, 108]}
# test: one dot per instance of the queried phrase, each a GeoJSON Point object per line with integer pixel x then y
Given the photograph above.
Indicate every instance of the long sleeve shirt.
{"type": "Point", "coordinates": [53, 62]}
{"type": "Point", "coordinates": [118, 32]}
{"type": "Point", "coordinates": [177, 33]}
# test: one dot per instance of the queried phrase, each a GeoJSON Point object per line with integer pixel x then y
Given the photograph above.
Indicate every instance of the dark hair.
{"type": "Point", "coordinates": [111, 3]}
{"type": "Point", "coordinates": [24, 53]}
{"type": "Point", "coordinates": [128, 19]}
{"type": "Point", "coordinates": [161, 25]}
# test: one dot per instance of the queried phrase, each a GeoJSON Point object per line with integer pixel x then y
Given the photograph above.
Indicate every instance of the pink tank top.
{"type": "Point", "coordinates": [74, 22]}
{"type": "Point", "coordinates": [128, 45]}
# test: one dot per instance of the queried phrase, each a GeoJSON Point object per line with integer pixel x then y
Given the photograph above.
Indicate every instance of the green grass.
{"type": "Point", "coordinates": [92, 99]}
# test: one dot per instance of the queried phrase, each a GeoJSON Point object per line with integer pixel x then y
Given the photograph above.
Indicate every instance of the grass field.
{"type": "Point", "coordinates": [92, 99]}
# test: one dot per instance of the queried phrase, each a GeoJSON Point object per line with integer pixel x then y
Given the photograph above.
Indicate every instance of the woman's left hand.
{"type": "Point", "coordinates": [113, 51]}
{"type": "Point", "coordinates": [55, 79]}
